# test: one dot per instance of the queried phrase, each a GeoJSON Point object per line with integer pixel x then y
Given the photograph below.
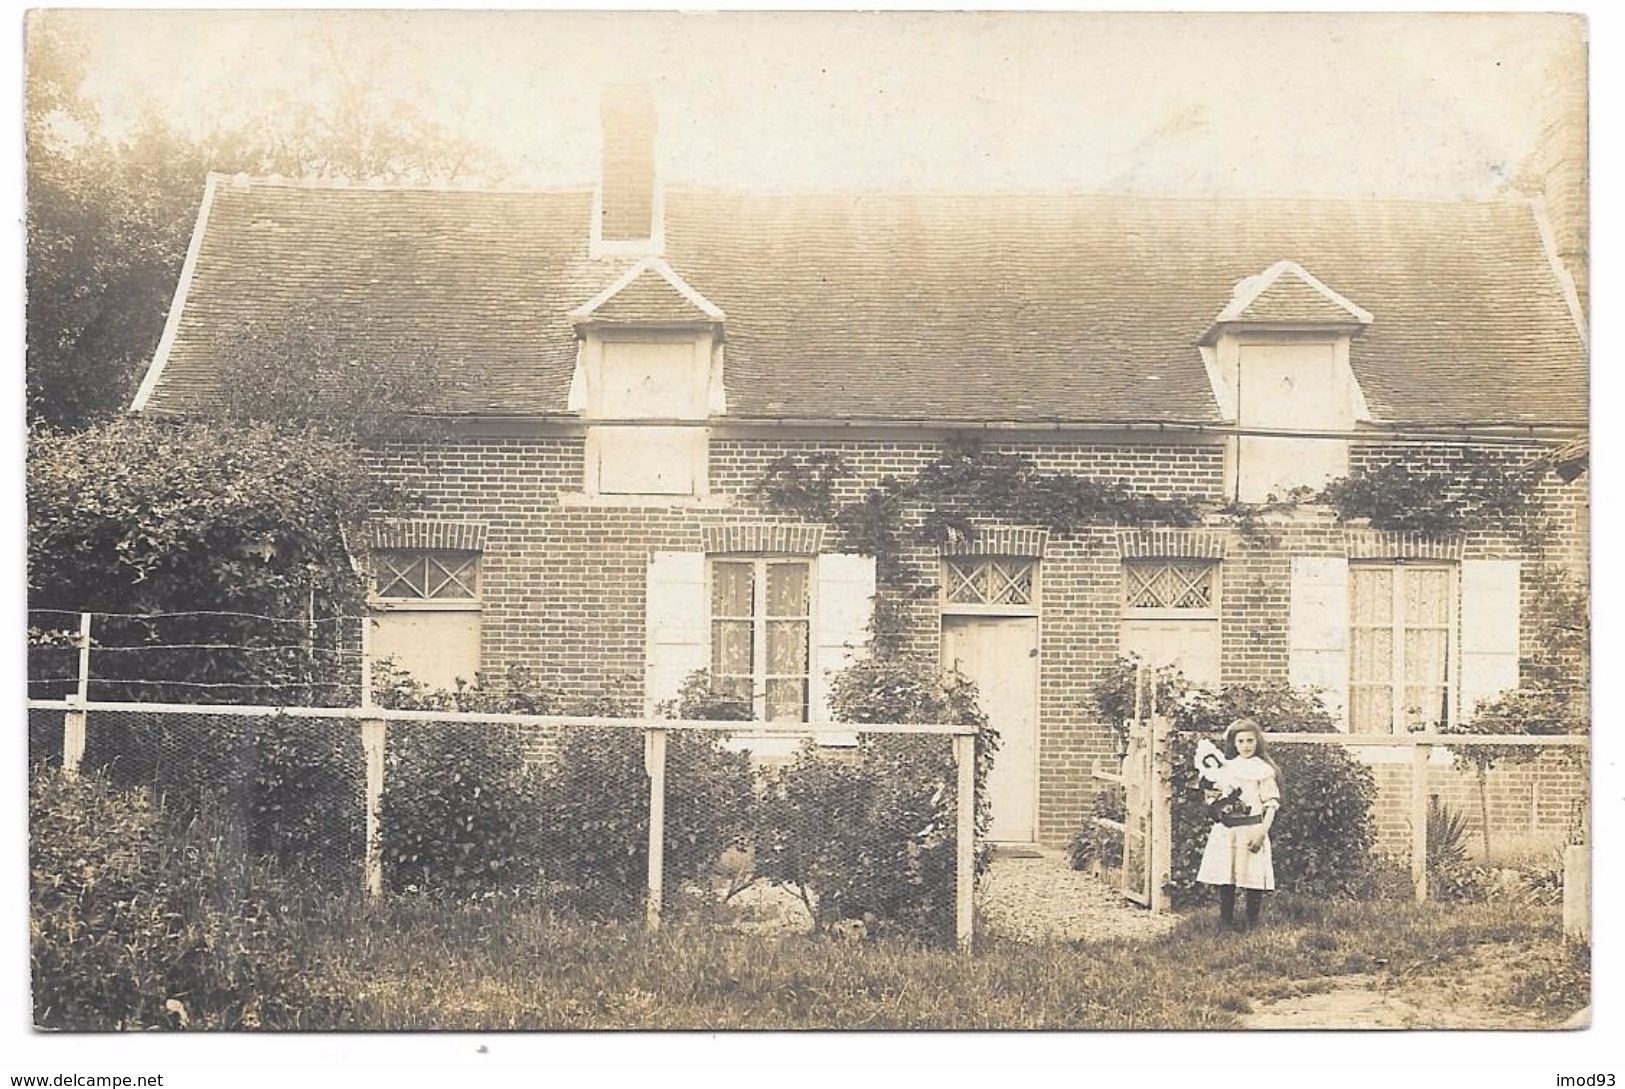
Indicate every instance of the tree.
{"type": "Point", "coordinates": [239, 522]}
{"type": "Point", "coordinates": [108, 222]}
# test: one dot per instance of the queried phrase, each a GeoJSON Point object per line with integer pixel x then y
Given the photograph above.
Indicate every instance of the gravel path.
{"type": "Point", "coordinates": [1043, 899]}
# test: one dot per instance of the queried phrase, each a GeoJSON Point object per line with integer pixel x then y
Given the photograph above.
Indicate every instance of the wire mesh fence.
{"type": "Point", "coordinates": [608, 818]}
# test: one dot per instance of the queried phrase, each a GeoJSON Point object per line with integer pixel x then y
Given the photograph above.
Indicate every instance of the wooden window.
{"type": "Point", "coordinates": [422, 575]}
{"type": "Point", "coordinates": [1401, 618]}
{"type": "Point", "coordinates": [651, 379]}
{"type": "Point", "coordinates": [998, 584]}
{"type": "Point", "coordinates": [761, 634]}
{"type": "Point", "coordinates": [426, 613]}
{"type": "Point", "coordinates": [1178, 588]}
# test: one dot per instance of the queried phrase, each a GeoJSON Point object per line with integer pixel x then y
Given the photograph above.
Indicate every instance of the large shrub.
{"type": "Point", "coordinates": [291, 789]}
{"type": "Point", "coordinates": [142, 919]}
{"type": "Point", "coordinates": [872, 835]}
{"type": "Point", "coordinates": [594, 805]}
{"type": "Point", "coordinates": [1322, 838]}
{"type": "Point", "coordinates": [205, 529]}
{"type": "Point", "coordinates": [459, 808]}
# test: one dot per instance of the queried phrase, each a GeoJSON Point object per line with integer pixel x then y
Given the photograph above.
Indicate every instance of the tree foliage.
{"type": "Point", "coordinates": [137, 517]}
{"type": "Point", "coordinates": [109, 219]}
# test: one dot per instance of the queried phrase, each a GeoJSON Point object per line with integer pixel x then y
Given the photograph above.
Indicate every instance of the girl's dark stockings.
{"type": "Point", "coordinates": [1227, 905]}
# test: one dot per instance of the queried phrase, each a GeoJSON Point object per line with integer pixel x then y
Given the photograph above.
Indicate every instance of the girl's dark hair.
{"type": "Point", "coordinates": [1257, 731]}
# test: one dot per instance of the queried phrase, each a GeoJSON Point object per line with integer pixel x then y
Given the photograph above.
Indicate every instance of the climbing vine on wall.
{"type": "Point", "coordinates": [1473, 490]}
{"type": "Point", "coordinates": [942, 503]}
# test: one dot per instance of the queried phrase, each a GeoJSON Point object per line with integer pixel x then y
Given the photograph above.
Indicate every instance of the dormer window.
{"type": "Point", "coordinates": [1278, 355]}
{"type": "Point", "coordinates": [649, 368]}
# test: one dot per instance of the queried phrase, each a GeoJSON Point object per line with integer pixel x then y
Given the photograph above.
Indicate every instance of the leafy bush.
{"type": "Point", "coordinates": [459, 807]}
{"type": "Point", "coordinates": [595, 814]}
{"type": "Point", "coordinates": [140, 919]}
{"type": "Point", "coordinates": [1322, 839]}
{"type": "Point", "coordinates": [137, 516]}
{"type": "Point", "coordinates": [292, 789]}
{"type": "Point", "coordinates": [594, 806]}
{"type": "Point", "coordinates": [871, 835]}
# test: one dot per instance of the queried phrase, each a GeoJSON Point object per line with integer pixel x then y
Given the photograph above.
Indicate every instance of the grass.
{"type": "Point", "coordinates": [421, 964]}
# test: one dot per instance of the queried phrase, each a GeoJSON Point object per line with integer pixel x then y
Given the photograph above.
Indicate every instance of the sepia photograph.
{"type": "Point", "coordinates": [835, 521]}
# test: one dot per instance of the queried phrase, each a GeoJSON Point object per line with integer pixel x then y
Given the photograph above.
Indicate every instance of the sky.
{"type": "Point", "coordinates": [1339, 105]}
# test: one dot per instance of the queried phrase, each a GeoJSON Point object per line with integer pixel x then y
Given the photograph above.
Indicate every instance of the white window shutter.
{"type": "Point", "coordinates": [1318, 637]}
{"type": "Point", "coordinates": [676, 623]}
{"type": "Point", "coordinates": [1489, 631]}
{"type": "Point", "coordinates": [844, 602]}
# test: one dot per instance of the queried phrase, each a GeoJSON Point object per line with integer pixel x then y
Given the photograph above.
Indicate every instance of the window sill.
{"type": "Point", "coordinates": [684, 502]}
{"type": "Point", "coordinates": [428, 605]}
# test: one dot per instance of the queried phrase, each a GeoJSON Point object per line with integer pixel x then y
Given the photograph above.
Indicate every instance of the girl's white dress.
{"type": "Point", "coordinates": [1226, 859]}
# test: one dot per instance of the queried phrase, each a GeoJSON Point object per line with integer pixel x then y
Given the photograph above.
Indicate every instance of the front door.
{"type": "Point", "coordinates": [1000, 654]}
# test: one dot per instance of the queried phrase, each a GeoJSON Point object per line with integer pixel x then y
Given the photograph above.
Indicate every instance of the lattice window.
{"type": "Point", "coordinates": [1180, 585]}
{"type": "Point", "coordinates": [982, 580]}
{"type": "Point", "coordinates": [421, 575]}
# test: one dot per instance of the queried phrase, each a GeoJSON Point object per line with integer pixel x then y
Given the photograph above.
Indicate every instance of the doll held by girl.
{"type": "Point", "coordinates": [1246, 791]}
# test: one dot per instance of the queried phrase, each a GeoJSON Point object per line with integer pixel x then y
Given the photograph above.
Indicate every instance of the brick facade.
{"type": "Point", "coordinates": [564, 576]}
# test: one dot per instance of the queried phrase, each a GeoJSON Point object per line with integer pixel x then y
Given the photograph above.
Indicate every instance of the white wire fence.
{"type": "Point", "coordinates": [620, 813]}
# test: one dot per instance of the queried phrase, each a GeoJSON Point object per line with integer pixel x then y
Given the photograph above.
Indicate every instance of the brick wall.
{"type": "Point", "coordinates": [564, 582]}
{"type": "Point", "coordinates": [1530, 799]}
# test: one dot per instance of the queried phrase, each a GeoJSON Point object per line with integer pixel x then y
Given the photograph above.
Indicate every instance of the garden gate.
{"type": "Point", "coordinates": [1147, 839]}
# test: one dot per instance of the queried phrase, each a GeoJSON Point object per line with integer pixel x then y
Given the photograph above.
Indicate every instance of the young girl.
{"type": "Point", "coordinates": [1238, 846]}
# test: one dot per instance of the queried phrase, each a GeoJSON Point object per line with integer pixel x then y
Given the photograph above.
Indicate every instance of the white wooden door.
{"type": "Point", "coordinates": [1000, 654]}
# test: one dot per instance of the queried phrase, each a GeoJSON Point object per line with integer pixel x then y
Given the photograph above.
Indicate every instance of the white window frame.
{"type": "Point", "coordinates": [693, 416]}
{"type": "Point", "coordinates": [1213, 609]}
{"type": "Point", "coordinates": [950, 607]}
{"type": "Point", "coordinates": [385, 603]}
{"type": "Point", "coordinates": [759, 620]}
{"type": "Point", "coordinates": [1396, 669]}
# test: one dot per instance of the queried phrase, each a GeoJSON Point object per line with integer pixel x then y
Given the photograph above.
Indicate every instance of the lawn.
{"type": "Point", "coordinates": [418, 964]}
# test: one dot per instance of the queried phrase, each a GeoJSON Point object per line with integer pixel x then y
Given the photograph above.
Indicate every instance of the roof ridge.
{"type": "Point", "coordinates": [338, 184]}
{"type": "Point", "coordinates": [1509, 200]}
{"type": "Point", "coordinates": [244, 180]}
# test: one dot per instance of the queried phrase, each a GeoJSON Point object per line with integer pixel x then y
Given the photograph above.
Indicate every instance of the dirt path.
{"type": "Point", "coordinates": [1466, 993]}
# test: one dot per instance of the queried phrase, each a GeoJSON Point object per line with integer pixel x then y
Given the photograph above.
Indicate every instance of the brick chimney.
{"type": "Point", "coordinates": [627, 183]}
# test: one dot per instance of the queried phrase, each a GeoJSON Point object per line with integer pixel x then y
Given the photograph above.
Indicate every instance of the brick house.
{"type": "Point", "coordinates": [646, 353]}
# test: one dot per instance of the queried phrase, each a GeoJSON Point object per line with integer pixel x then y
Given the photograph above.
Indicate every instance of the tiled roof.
{"type": "Point", "coordinates": [649, 293]}
{"type": "Point", "coordinates": [1007, 308]}
{"type": "Point", "coordinates": [1290, 300]}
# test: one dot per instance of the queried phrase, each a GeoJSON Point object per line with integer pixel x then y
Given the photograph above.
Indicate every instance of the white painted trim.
{"type": "Point", "coordinates": [1223, 395]}
{"type": "Point", "coordinates": [172, 323]}
{"type": "Point", "coordinates": [1248, 291]}
{"type": "Point", "coordinates": [1565, 278]}
{"type": "Point", "coordinates": [658, 265]}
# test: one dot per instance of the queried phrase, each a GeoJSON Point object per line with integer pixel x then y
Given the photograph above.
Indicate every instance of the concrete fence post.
{"type": "Point", "coordinates": [965, 842]}
{"type": "Point", "coordinates": [74, 721]}
{"type": "Point", "coordinates": [1577, 893]}
{"type": "Point", "coordinates": [1419, 819]}
{"type": "Point", "coordinates": [374, 733]}
{"type": "Point", "coordinates": [654, 762]}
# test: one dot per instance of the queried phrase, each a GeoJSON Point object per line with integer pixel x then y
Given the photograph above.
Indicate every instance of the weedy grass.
{"type": "Point", "coordinates": [418, 963]}
{"type": "Point", "coordinates": [140, 921]}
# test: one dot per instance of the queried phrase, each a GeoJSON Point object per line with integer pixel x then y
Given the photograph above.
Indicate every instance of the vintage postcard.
{"type": "Point", "coordinates": [824, 520]}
